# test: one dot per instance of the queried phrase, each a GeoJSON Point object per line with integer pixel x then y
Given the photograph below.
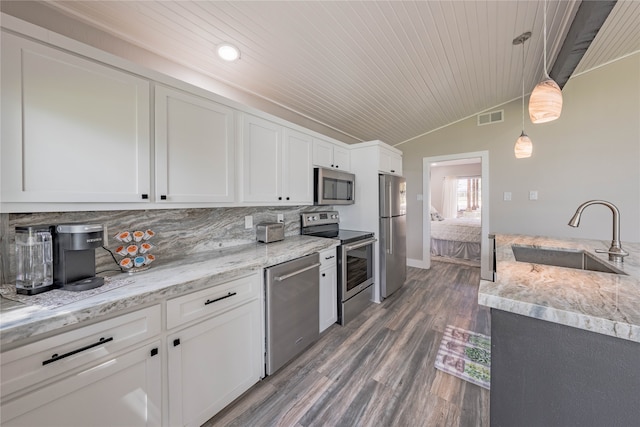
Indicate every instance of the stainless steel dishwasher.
{"type": "Point", "coordinates": [292, 309]}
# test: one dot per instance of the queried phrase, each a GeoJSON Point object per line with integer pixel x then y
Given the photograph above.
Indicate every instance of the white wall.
{"type": "Point", "coordinates": [591, 152]}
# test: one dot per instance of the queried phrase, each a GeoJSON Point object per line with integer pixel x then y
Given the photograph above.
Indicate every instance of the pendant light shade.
{"type": "Point", "coordinates": [545, 103]}
{"type": "Point", "coordinates": [523, 147]}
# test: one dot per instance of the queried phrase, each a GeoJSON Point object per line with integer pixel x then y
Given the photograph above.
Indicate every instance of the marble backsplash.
{"type": "Point", "coordinates": [177, 231]}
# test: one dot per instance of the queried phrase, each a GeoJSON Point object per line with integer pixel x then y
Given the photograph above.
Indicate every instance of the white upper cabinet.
{"type": "Point", "coordinates": [277, 163]}
{"type": "Point", "coordinates": [194, 148]}
{"type": "Point", "coordinates": [390, 162]}
{"type": "Point", "coordinates": [73, 130]}
{"type": "Point", "coordinates": [262, 145]}
{"type": "Point", "coordinates": [329, 155]}
{"type": "Point", "coordinates": [297, 167]}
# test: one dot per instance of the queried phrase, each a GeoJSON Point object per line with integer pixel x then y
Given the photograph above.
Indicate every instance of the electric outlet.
{"type": "Point", "coordinates": [533, 195]}
{"type": "Point", "coordinates": [248, 221]}
{"type": "Point", "coordinates": [280, 217]}
{"type": "Point", "coordinates": [507, 196]}
{"type": "Point", "coordinates": [419, 197]}
{"type": "Point", "coordinates": [105, 239]}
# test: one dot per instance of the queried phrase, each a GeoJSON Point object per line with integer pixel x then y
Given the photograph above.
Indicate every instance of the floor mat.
{"type": "Point", "coordinates": [465, 354]}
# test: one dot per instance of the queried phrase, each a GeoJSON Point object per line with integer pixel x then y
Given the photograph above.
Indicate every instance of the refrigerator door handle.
{"type": "Point", "coordinates": [391, 237]}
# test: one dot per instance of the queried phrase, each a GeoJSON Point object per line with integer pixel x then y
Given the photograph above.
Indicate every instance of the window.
{"type": "Point", "coordinates": [468, 195]}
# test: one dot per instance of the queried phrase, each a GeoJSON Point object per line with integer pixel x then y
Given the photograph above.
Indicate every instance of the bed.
{"type": "Point", "coordinates": [456, 238]}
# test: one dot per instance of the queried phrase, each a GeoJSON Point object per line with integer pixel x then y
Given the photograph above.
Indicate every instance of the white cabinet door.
{"type": "Point", "coordinates": [212, 363]}
{"type": "Point", "coordinates": [329, 155]}
{"type": "Point", "coordinates": [277, 163]}
{"type": "Point", "coordinates": [328, 297]}
{"type": "Point", "coordinates": [390, 162]}
{"type": "Point", "coordinates": [297, 168]}
{"type": "Point", "coordinates": [262, 145]}
{"type": "Point", "coordinates": [121, 391]}
{"type": "Point", "coordinates": [73, 130]}
{"type": "Point", "coordinates": [341, 158]}
{"type": "Point", "coordinates": [328, 289]}
{"type": "Point", "coordinates": [322, 153]}
{"type": "Point", "coordinates": [195, 148]}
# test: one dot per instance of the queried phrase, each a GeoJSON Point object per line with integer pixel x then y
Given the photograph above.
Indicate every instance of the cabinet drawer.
{"type": "Point", "coordinates": [50, 357]}
{"type": "Point", "coordinates": [328, 258]}
{"type": "Point", "coordinates": [213, 300]}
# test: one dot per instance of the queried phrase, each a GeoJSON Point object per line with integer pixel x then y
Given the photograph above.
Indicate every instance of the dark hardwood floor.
{"type": "Point", "coordinates": [379, 369]}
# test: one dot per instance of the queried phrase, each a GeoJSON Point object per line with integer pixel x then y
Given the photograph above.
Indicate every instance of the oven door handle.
{"type": "Point", "coordinates": [295, 273]}
{"type": "Point", "coordinates": [359, 244]}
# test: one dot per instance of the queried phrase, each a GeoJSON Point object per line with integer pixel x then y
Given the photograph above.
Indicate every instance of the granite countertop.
{"type": "Point", "coordinates": [598, 302]}
{"type": "Point", "coordinates": [49, 311]}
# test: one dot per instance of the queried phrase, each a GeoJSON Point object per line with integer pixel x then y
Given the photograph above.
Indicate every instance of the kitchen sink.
{"type": "Point", "coordinates": [567, 258]}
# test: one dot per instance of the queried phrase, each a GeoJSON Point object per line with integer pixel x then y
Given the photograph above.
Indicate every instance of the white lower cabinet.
{"type": "Point", "coordinates": [121, 391]}
{"type": "Point", "coordinates": [98, 375]}
{"type": "Point", "coordinates": [328, 289]}
{"type": "Point", "coordinates": [218, 353]}
{"type": "Point", "coordinates": [212, 363]}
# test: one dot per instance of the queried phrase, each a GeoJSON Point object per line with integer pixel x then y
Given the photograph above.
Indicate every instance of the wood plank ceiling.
{"type": "Point", "coordinates": [389, 70]}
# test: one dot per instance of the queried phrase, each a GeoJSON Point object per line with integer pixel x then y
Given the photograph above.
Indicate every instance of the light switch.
{"type": "Point", "coordinates": [507, 196]}
{"type": "Point", "coordinates": [419, 197]}
{"type": "Point", "coordinates": [533, 195]}
{"type": "Point", "coordinates": [248, 221]}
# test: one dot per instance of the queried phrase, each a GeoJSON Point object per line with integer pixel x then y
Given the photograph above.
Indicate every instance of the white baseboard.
{"type": "Point", "coordinates": [418, 263]}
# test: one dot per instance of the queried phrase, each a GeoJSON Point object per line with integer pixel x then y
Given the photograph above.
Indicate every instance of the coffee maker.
{"type": "Point", "coordinates": [74, 256]}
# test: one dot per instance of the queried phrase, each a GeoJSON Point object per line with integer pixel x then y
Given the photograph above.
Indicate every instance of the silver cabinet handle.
{"type": "Point", "coordinates": [359, 244]}
{"type": "Point", "coordinates": [295, 273]}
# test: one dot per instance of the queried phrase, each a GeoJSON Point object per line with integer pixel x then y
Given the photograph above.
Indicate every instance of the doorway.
{"type": "Point", "coordinates": [482, 196]}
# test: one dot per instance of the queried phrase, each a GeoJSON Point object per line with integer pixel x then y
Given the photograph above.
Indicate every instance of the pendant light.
{"type": "Point", "coordinates": [545, 103]}
{"type": "Point", "coordinates": [524, 146]}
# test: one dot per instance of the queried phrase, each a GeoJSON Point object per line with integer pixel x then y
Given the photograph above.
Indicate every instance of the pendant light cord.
{"type": "Point", "coordinates": [523, 86]}
{"type": "Point", "coordinates": [546, 74]}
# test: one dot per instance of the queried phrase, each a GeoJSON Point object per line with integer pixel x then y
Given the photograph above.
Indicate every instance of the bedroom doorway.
{"type": "Point", "coordinates": [456, 209]}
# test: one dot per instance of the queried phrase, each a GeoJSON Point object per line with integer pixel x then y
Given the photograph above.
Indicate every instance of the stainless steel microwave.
{"type": "Point", "coordinates": [333, 187]}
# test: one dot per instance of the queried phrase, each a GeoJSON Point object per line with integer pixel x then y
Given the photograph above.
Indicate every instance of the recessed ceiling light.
{"type": "Point", "coordinates": [228, 52]}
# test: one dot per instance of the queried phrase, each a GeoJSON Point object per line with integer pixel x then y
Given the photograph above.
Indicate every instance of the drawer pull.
{"type": "Point", "coordinates": [229, 295]}
{"type": "Point", "coordinates": [57, 357]}
{"type": "Point", "coordinates": [329, 257]}
{"type": "Point", "coordinates": [154, 351]}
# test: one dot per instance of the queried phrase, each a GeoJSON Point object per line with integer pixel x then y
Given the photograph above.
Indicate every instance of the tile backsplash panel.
{"type": "Point", "coordinates": [177, 231]}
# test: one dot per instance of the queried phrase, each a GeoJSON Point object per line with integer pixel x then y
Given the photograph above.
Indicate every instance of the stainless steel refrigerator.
{"type": "Point", "coordinates": [393, 233]}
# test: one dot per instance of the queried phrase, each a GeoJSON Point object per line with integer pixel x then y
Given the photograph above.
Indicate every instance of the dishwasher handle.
{"type": "Point", "coordinates": [295, 273]}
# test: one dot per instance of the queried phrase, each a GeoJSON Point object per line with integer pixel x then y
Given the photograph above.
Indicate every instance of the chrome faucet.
{"type": "Point", "coordinates": [616, 253]}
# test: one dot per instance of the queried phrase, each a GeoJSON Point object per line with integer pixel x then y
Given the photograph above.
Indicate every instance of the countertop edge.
{"type": "Point", "coordinates": [563, 317]}
{"type": "Point", "coordinates": [602, 303]}
{"type": "Point", "coordinates": [31, 322]}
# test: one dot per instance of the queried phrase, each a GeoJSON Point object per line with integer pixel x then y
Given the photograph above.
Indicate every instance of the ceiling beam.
{"type": "Point", "coordinates": [584, 28]}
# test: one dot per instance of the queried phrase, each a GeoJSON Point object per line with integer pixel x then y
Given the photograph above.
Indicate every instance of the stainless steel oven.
{"type": "Point", "coordinates": [333, 187]}
{"type": "Point", "coordinates": [355, 261]}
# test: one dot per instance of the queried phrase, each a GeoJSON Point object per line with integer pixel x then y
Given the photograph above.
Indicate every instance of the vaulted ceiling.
{"type": "Point", "coordinates": [389, 70]}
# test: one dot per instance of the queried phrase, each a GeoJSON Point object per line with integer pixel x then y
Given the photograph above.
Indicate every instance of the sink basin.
{"type": "Point", "coordinates": [567, 258]}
